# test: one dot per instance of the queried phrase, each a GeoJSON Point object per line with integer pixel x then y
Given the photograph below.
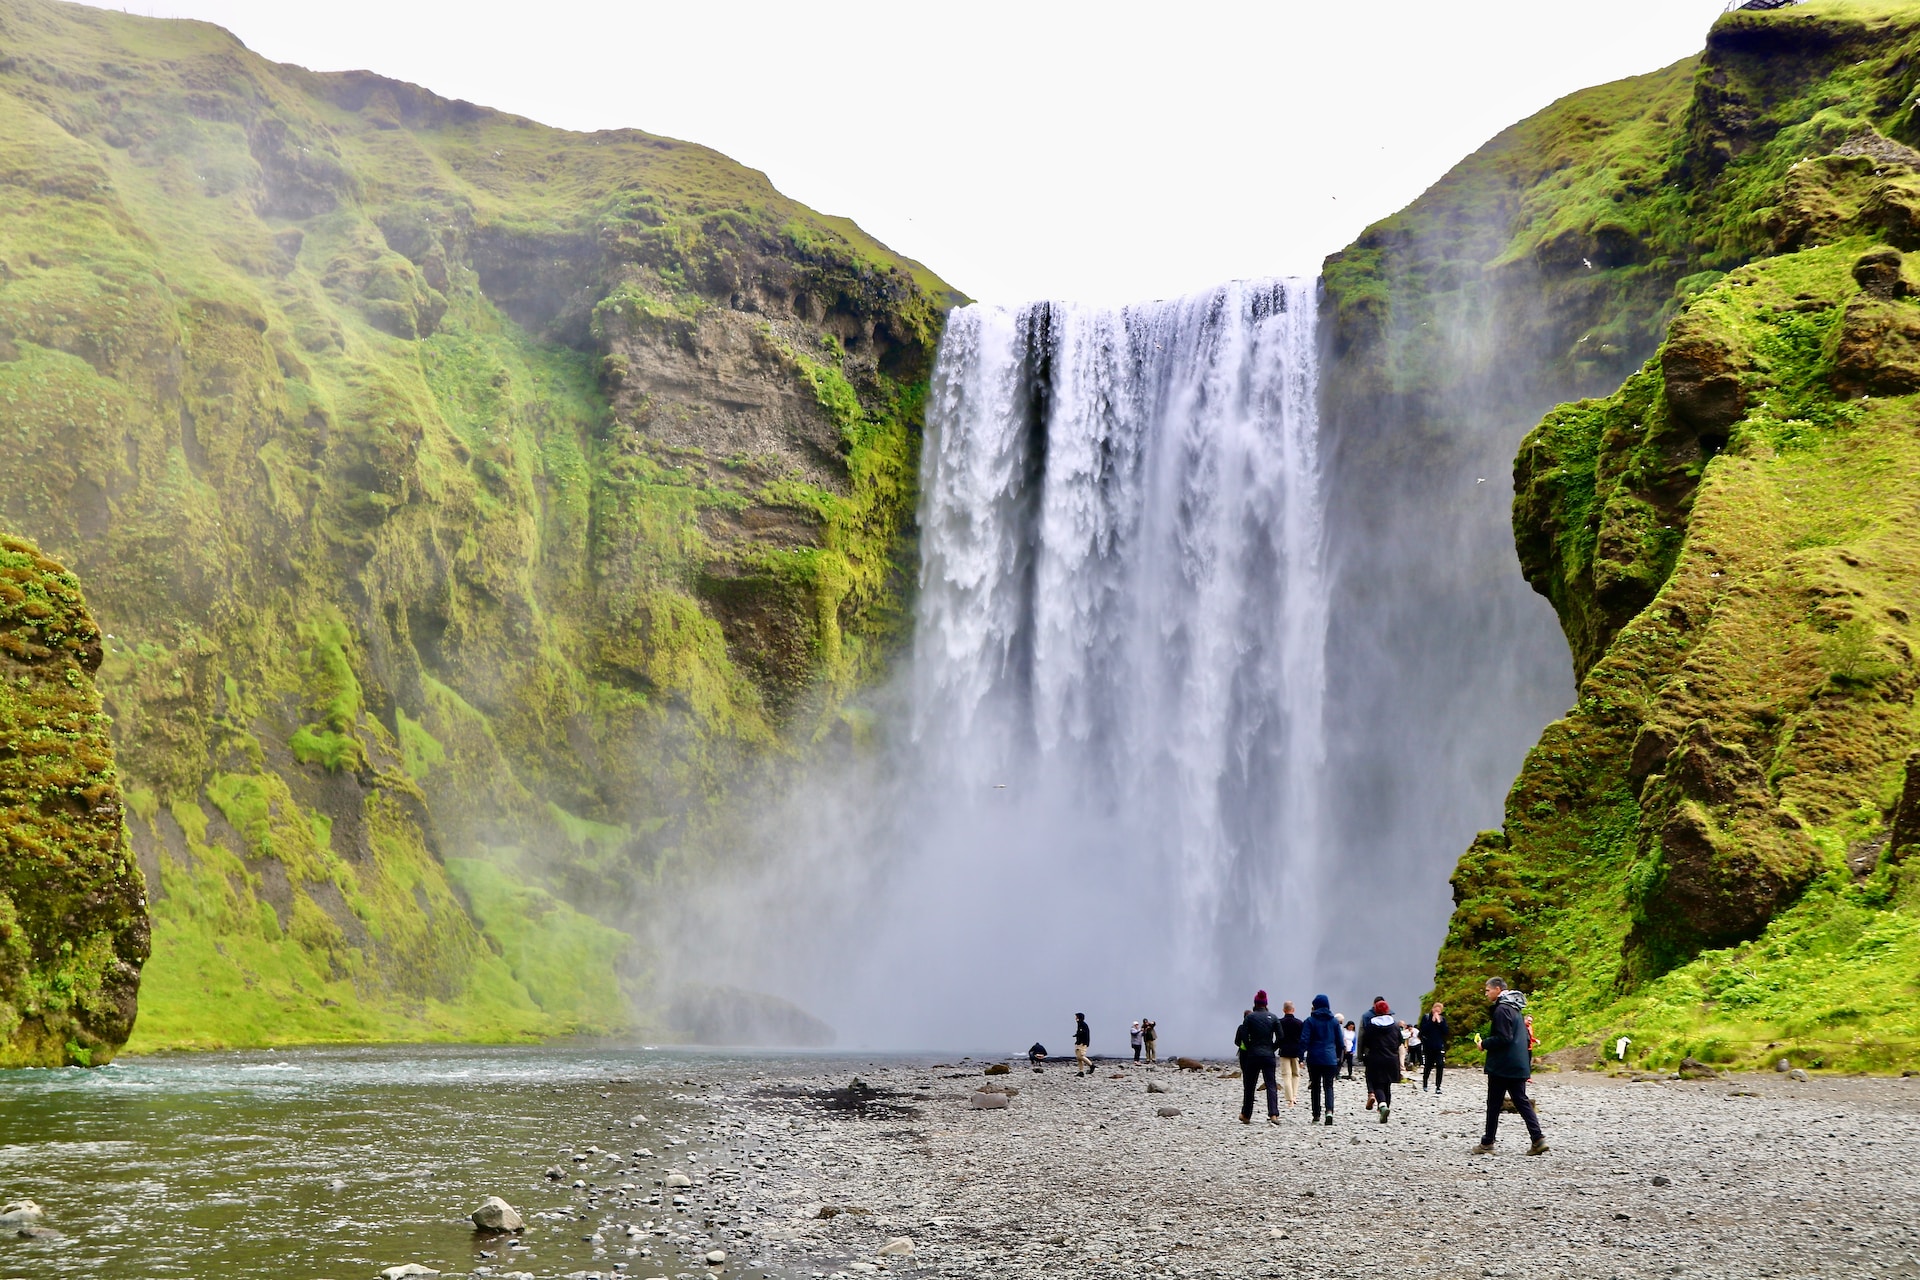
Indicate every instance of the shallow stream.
{"type": "Point", "coordinates": [335, 1162]}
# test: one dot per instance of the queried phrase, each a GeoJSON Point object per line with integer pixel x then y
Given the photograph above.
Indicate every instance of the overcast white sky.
{"type": "Point", "coordinates": [1099, 151]}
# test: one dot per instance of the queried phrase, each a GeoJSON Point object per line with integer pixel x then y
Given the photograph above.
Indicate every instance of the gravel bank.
{"type": "Point", "coordinates": [1759, 1176]}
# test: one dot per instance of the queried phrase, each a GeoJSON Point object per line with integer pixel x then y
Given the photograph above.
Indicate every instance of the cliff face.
{"type": "Point", "coordinates": [73, 916]}
{"type": "Point", "coordinates": [1711, 853]}
{"type": "Point", "coordinates": [467, 502]}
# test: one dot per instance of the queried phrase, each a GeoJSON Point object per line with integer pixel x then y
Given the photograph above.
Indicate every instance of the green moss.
{"type": "Point", "coordinates": [1697, 856]}
{"type": "Point", "coordinates": [73, 930]}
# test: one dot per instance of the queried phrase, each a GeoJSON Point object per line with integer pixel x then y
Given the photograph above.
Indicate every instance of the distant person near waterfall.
{"type": "Point", "coordinates": [1150, 1033]}
{"type": "Point", "coordinates": [1324, 1042]}
{"type": "Point", "coordinates": [1291, 1049]}
{"type": "Point", "coordinates": [1433, 1047]}
{"type": "Point", "coordinates": [1348, 1040]}
{"type": "Point", "coordinates": [1380, 1048]}
{"type": "Point", "coordinates": [1258, 1040]}
{"type": "Point", "coordinates": [1082, 1038]}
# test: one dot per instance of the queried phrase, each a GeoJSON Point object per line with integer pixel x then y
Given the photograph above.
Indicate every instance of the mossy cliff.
{"type": "Point", "coordinates": [73, 914]}
{"type": "Point", "coordinates": [467, 505]}
{"type": "Point", "coordinates": [1714, 852]}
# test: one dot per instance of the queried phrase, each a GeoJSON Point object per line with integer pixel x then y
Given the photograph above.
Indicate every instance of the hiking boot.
{"type": "Point", "coordinates": [1383, 1114]}
{"type": "Point", "coordinates": [1246, 1119]}
{"type": "Point", "coordinates": [1539, 1147]}
{"type": "Point", "coordinates": [1481, 1149]}
{"type": "Point", "coordinates": [1329, 1119]}
{"type": "Point", "coordinates": [1273, 1119]}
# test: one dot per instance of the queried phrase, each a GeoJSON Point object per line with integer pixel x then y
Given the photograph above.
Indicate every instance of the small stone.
{"type": "Point", "coordinates": [677, 1180]}
{"type": "Point", "coordinates": [1798, 1074]}
{"type": "Point", "coordinates": [1783, 1066]}
{"type": "Point", "coordinates": [984, 1101]}
{"type": "Point", "coordinates": [1056, 1238]}
{"type": "Point", "coordinates": [1167, 1113]}
{"type": "Point", "coordinates": [406, 1269]}
{"type": "Point", "coordinates": [1662, 1180]}
{"type": "Point", "coordinates": [20, 1211]}
{"type": "Point", "coordinates": [716, 1256]}
{"type": "Point", "coordinates": [1154, 1086]}
{"type": "Point", "coordinates": [898, 1247]}
{"type": "Point", "coordinates": [37, 1233]}
{"type": "Point", "coordinates": [555, 1173]}
{"type": "Point", "coordinates": [997, 1069]}
{"type": "Point", "coordinates": [495, 1214]}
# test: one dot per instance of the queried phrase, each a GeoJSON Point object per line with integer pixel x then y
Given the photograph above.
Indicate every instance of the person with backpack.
{"type": "Point", "coordinates": [1380, 1047]}
{"type": "Point", "coordinates": [1322, 1042]}
{"type": "Point", "coordinates": [1291, 1049]}
{"type": "Point", "coordinates": [1258, 1039]}
{"type": "Point", "coordinates": [1082, 1039]}
{"type": "Point", "coordinates": [1433, 1048]}
{"type": "Point", "coordinates": [1509, 1065]}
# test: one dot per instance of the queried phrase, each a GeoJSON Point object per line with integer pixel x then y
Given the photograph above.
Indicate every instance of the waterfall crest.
{"type": "Point", "coordinates": [1119, 664]}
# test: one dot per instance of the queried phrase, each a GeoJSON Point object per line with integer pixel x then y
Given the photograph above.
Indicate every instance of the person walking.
{"type": "Point", "coordinates": [1149, 1032]}
{"type": "Point", "coordinates": [1082, 1038]}
{"type": "Point", "coordinates": [1322, 1041]}
{"type": "Point", "coordinates": [1433, 1047]}
{"type": "Point", "coordinates": [1138, 1043]}
{"type": "Point", "coordinates": [1380, 1047]}
{"type": "Point", "coordinates": [1348, 1040]}
{"type": "Point", "coordinates": [1258, 1040]}
{"type": "Point", "coordinates": [1291, 1047]}
{"type": "Point", "coordinates": [1509, 1065]}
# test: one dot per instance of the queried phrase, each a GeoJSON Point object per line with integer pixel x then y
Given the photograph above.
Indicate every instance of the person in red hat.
{"type": "Point", "coordinates": [1380, 1045]}
{"type": "Point", "coordinates": [1258, 1040]}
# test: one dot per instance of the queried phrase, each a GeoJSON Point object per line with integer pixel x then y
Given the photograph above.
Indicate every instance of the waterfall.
{"type": "Point", "coordinates": [1119, 664]}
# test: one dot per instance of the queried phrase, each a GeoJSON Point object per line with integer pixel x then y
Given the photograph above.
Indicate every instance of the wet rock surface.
{"type": "Point", "coordinates": [1753, 1176]}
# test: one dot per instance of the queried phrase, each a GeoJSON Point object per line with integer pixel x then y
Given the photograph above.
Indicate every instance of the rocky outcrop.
{"type": "Point", "coordinates": [1704, 852]}
{"type": "Point", "coordinates": [73, 914]}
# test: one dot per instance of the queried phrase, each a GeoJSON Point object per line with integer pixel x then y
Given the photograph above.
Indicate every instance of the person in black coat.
{"type": "Point", "coordinates": [1380, 1055]}
{"type": "Point", "coordinates": [1082, 1041]}
{"type": "Point", "coordinates": [1292, 1049]}
{"type": "Point", "coordinates": [1433, 1047]}
{"type": "Point", "coordinates": [1509, 1064]}
{"type": "Point", "coordinates": [1258, 1040]}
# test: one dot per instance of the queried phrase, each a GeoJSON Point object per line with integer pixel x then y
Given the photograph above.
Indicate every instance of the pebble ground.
{"type": "Point", "coordinates": [1747, 1176]}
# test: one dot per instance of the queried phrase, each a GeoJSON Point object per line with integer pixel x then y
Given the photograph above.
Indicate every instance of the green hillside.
{"type": "Point", "coordinates": [466, 505]}
{"type": "Point", "coordinates": [1711, 853]}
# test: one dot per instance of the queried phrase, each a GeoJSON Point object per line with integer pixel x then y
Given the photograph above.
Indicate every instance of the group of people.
{"type": "Point", "coordinates": [1272, 1048]}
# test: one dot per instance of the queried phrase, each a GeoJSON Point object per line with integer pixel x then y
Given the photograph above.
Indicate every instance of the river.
{"type": "Point", "coordinates": [342, 1162]}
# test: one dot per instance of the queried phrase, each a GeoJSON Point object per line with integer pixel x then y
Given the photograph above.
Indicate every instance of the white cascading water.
{"type": "Point", "coordinates": [1118, 669]}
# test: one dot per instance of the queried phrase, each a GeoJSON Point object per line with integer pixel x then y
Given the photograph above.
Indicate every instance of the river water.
{"type": "Point", "coordinates": [342, 1162]}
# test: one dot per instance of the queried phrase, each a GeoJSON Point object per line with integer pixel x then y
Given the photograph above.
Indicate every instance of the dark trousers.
{"type": "Point", "coordinates": [1499, 1089]}
{"type": "Point", "coordinates": [1380, 1083]}
{"type": "Point", "coordinates": [1346, 1060]}
{"type": "Point", "coordinates": [1434, 1067]}
{"type": "Point", "coordinates": [1252, 1067]}
{"type": "Point", "coordinates": [1320, 1081]}
{"type": "Point", "coordinates": [1136, 1053]}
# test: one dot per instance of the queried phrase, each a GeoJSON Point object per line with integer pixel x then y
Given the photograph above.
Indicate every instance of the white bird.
{"type": "Point", "coordinates": [1481, 480]}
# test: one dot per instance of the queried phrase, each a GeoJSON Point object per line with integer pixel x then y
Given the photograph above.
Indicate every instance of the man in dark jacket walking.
{"type": "Point", "coordinates": [1380, 1055]}
{"type": "Point", "coordinates": [1509, 1065]}
{"type": "Point", "coordinates": [1082, 1040]}
{"type": "Point", "coordinates": [1258, 1040]}
{"type": "Point", "coordinates": [1323, 1041]}
{"type": "Point", "coordinates": [1433, 1048]}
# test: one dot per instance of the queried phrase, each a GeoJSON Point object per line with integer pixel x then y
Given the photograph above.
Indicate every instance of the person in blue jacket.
{"type": "Point", "coordinates": [1324, 1041]}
